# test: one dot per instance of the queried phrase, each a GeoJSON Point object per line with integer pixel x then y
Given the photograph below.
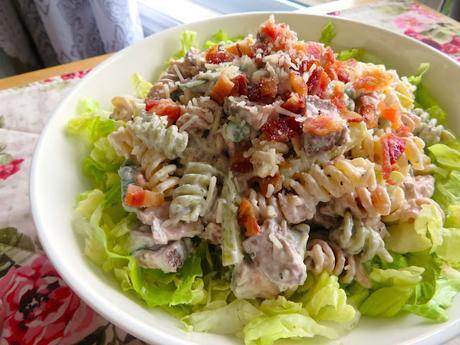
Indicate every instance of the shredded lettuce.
{"type": "Point", "coordinates": [187, 40]}
{"type": "Point", "coordinates": [353, 53]}
{"type": "Point", "coordinates": [221, 37]}
{"type": "Point", "coordinates": [328, 34]}
{"type": "Point", "coordinates": [140, 85]}
{"type": "Point", "coordinates": [107, 244]}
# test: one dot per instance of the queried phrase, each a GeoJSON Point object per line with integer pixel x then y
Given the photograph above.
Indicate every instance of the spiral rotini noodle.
{"type": "Point", "coordinates": [321, 184]}
{"type": "Point", "coordinates": [325, 256]}
{"type": "Point", "coordinates": [125, 108]}
{"type": "Point", "coordinates": [196, 192]}
{"type": "Point", "coordinates": [356, 238]}
{"type": "Point", "coordinates": [154, 131]}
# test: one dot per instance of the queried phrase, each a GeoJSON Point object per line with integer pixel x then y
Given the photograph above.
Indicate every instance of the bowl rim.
{"type": "Point", "coordinates": [129, 322]}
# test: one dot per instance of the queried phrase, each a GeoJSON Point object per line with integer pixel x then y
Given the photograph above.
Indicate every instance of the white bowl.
{"type": "Point", "coordinates": [56, 172]}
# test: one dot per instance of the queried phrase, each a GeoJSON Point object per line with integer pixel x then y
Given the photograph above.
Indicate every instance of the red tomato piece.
{"type": "Point", "coordinates": [282, 129]}
{"type": "Point", "coordinates": [134, 196]}
{"type": "Point", "coordinates": [164, 107]}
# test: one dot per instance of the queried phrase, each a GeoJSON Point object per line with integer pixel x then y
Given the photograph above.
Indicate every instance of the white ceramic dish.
{"type": "Point", "coordinates": [56, 177]}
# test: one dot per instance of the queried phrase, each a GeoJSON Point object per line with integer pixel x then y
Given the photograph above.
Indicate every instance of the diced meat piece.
{"type": "Point", "coordinates": [419, 187]}
{"type": "Point", "coordinates": [263, 91]}
{"type": "Point", "coordinates": [255, 115]}
{"type": "Point", "coordinates": [314, 144]}
{"type": "Point", "coordinates": [295, 209]}
{"type": "Point", "coordinates": [424, 185]}
{"type": "Point", "coordinates": [191, 64]}
{"type": "Point", "coordinates": [199, 114]}
{"type": "Point", "coordinates": [167, 258]}
{"type": "Point", "coordinates": [324, 128]}
{"type": "Point", "coordinates": [163, 231]}
{"type": "Point", "coordinates": [212, 233]}
{"type": "Point", "coordinates": [248, 281]}
{"type": "Point", "coordinates": [142, 240]}
{"type": "Point", "coordinates": [276, 257]}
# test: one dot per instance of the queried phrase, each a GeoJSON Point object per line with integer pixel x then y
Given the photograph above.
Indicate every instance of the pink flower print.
{"type": "Point", "coordinates": [6, 170]}
{"type": "Point", "coordinates": [40, 309]}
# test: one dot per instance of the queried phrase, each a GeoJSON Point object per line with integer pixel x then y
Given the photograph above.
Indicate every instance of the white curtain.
{"type": "Point", "coordinates": [49, 32]}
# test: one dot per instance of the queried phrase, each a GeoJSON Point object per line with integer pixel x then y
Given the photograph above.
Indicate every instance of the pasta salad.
{"type": "Point", "coordinates": [271, 188]}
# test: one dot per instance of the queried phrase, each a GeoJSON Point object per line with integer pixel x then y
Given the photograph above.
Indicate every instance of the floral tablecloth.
{"type": "Point", "coordinates": [36, 305]}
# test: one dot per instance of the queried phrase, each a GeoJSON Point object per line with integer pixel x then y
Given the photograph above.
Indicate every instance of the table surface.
{"type": "Point", "coordinates": [27, 102]}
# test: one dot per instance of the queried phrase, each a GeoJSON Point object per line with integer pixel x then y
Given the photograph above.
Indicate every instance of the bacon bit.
{"type": "Point", "coordinates": [216, 54]}
{"type": "Point", "coordinates": [329, 63]}
{"type": "Point", "coordinates": [341, 71]}
{"type": "Point", "coordinates": [297, 83]}
{"type": "Point", "coordinates": [351, 116]}
{"type": "Point", "coordinates": [322, 125]}
{"type": "Point", "coordinates": [239, 163]}
{"type": "Point", "coordinates": [138, 197]}
{"type": "Point", "coordinates": [241, 85]}
{"type": "Point", "coordinates": [164, 107]}
{"type": "Point", "coordinates": [247, 218]}
{"type": "Point", "coordinates": [310, 50]}
{"type": "Point", "coordinates": [392, 114]}
{"type": "Point", "coordinates": [240, 48]}
{"type": "Point", "coordinates": [277, 34]}
{"type": "Point", "coordinates": [221, 89]}
{"type": "Point", "coordinates": [265, 91]}
{"type": "Point", "coordinates": [318, 82]}
{"type": "Point", "coordinates": [294, 103]}
{"type": "Point", "coordinates": [368, 108]}
{"type": "Point", "coordinates": [392, 148]}
{"type": "Point", "coordinates": [275, 181]}
{"type": "Point", "coordinates": [374, 80]}
{"type": "Point", "coordinates": [282, 129]}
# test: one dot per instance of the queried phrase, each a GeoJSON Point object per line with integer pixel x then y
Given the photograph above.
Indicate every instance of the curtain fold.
{"type": "Point", "coordinates": [48, 32]}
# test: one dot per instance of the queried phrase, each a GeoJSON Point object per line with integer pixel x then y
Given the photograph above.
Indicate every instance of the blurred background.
{"type": "Point", "coordinates": [35, 34]}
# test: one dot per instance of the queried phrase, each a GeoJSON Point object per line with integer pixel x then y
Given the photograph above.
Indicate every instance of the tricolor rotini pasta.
{"type": "Point", "coordinates": [272, 169]}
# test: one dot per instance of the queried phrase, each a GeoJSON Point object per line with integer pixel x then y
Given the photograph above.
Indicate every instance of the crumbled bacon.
{"type": "Point", "coordinates": [367, 106]}
{"type": "Point", "coordinates": [240, 48]}
{"type": "Point", "coordinates": [282, 129]}
{"type": "Point", "coordinates": [164, 107]}
{"type": "Point", "coordinates": [241, 85]}
{"type": "Point", "coordinates": [275, 181]}
{"type": "Point", "coordinates": [318, 82]}
{"type": "Point", "coordinates": [217, 54]}
{"type": "Point", "coordinates": [373, 80]}
{"type": "Point", "coordinates": [297, 83]}
{"type": "Point", "coordinates": [294, 103]}
{"type": "Point", "coordinates": [278, 34]}
{"type": "Point", "coordinates": [264, 91]}
{"type": "Point", "coordinates": [322, 125]}
{"type": "Point", "coordinates": [392, 148]}
{"type": "Point", "coordinates": [239, 163]}
{"type": "Point", "coordinates": [247, 218]}
{"type": "Point", "coordinates": [392, 114]}
{"type": "Point", "coordinates": [222, 88]}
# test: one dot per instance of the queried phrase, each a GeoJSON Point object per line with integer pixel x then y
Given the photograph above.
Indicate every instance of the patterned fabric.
{"type": "Point", "coordinates": [31, 292]}
{"type": "Point", "coordinates": [66, 30]}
